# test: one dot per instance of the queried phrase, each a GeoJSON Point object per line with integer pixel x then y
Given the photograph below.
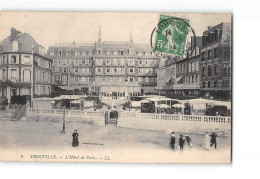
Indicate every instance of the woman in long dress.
{"type": "Point", "coordinates": [75, 140]}
{"type": "Point", "coordinates": [206, 141]}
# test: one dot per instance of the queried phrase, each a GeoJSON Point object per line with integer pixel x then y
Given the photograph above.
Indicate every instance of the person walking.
{"type": "Point", "coordinates": [188, 140]}
{"type": "Point", "coordinates": [172, 141]}
{"type": "Point", "coordinates": [181, 142]}
{"type": "Point", "coordinates": [206, 141]}
{"type": "Point", "coordinates": [213, 140]}
{"type": "Point", "coordinates": [75, 140]}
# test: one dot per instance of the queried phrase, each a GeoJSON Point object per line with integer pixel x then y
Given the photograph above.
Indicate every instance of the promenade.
{"type": "Point", "coordinates": [45, 137]}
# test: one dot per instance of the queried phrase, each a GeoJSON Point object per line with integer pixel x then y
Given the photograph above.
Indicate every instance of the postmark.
{"type": "Point", "coordinates": [171, 36]}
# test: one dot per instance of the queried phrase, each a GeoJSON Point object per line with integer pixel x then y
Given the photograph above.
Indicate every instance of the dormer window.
{"type": "Point", "coordinates": [15, 46]}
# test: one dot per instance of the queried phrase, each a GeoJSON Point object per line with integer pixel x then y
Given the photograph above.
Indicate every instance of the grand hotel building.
{"type": "Point", "coordinates": [107, 68]}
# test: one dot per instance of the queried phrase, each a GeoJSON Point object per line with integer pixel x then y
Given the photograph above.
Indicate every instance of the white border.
{"type": "Point", "coordinates": [246, 148]}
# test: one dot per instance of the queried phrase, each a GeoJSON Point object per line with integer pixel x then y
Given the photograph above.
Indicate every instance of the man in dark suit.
{"type": "Point", "coordinates": [172, 141]}
{"type": "Point", "coordinates": [181, 142]}
{"type": "Point", "coordinates": [213, 139]}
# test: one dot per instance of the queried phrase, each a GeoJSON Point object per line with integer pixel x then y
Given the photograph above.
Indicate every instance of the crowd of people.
{"type": "Point", "coordinates": [185, 142]}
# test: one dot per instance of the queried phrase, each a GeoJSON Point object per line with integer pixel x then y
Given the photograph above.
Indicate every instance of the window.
{"type": "Point", "coordinates": [209, 54]}
{"type": "Point", "coordinates": [131, 70]}
{"type": "Point", "coordinates": [64, 61]}
{"type": "Point", "coordinates": [4, 74]}
{"type": "Point", "coordinates": [215, 35]}
{"type": "Point", "coordinates": [13, 59]}
{"type": "Point", "coordinates": [27, 75]}
{"type": "Point", "coordinates": [205, 40]}
{"type": "Point", "coordinates": [203, 84]}
{"type": "Point", "coordinates": [4, 59]}
{"type": "Point", "coordinates": [68, 53]}
{"type": "Point", "coordinates": [140, 62]}
{"type": "Point", "coordinates": [216, 69]}
{"type": "Point", "coordinates": [76, 70]}
{"type": "Point", "coordinates": [43, 89]}
{"type": "Point", "coordinates": [44, 77]}
{"type": "Point", "coordinates": [203, 56]}
{"type": "Point", "coordinates": [209, 71]}
{"type": "Point", "coordinates": [131, 79]}
{"type": "Point", "coordinates": [55, 61]}
{"type": "Point", "coordinates": [216, 84]}
{"type": "Point", "coordinates": [51, 53]}
{"type": "Point", "coordinates": [99, 70]}
{"type": "Point", "coordinates": [115, 70]}
{"type": "Point", "coordinates": [215, 52]}
{"type": "Point", "coordinates": [108, 70]}
{"type": "Point", "coordinates": [219, 34]}
{"type": "Point", "coordinates": [209, 84]}
{"type": "Point", "coordinates": [203, 71]}
{"type": "Point", "coordinates": [60, 53]}
{"type": "Point", "coordinates": [64, 78]}
{"type": "Point", "coordinates": [13, 74]}
{"type": "Point", "coordinates": [121, 52]}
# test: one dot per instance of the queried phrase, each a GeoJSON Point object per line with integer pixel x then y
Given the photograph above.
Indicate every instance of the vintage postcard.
{"type": "Point", "coordinates": [115, 87]}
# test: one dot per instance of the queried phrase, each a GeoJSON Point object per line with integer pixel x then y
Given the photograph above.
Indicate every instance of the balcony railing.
{"type": "Point", "coordinates": [147, 83]}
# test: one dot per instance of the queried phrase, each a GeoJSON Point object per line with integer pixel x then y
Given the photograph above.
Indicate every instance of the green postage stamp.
{"type": "Point", "coordinates": [171, 35]}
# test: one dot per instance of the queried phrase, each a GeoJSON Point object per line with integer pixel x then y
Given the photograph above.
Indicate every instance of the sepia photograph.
{"type": "Point", "coordinates": [116, 87]}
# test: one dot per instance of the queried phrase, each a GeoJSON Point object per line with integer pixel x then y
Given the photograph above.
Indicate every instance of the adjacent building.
{"type": "Point", "coordinates": [179, 77]}
{"type": "Point", "coordinates": [166, 76]}
{"type": "Point", "coordinates": [188, 72]}
{"type": "Point", "coordinates": [91, 66]}
{"type": "Point", "coordinates": [19, 54]}
{"type": "Point", "coordinates": [216, 62]}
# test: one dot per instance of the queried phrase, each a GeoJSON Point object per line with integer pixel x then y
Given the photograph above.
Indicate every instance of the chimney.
{"type": "Point", "coordinates": [14, 33]}
{"type": "Point", "coordinates": [209, 27]}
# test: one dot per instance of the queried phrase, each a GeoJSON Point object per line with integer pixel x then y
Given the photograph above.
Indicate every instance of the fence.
{"type": "Point", "coordinates": [172, 122]}
{"type": "Point", "coordinates": [93, 117]}
{"type": "Point", "coordinates": [163, 122]}
{"type": "Point", "coordinates": [69, 113]}
{"type": "Point", "coordinates": [184, 118]}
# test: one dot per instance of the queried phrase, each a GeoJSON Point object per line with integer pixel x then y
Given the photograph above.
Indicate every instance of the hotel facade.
{"type": "Point", "coordinates": [105, 68]}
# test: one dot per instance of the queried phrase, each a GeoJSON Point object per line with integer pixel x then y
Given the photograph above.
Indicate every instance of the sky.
{"type": "Point", "coordinates": [50, 28]}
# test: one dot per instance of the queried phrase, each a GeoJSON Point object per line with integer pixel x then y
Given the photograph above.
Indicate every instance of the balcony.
{"type": "Point", "coordinates": [186, 86]}
{"type": "Point", "coordinates": [147, 83]}
{"type": "Point", "coordinates": [147, 74]}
